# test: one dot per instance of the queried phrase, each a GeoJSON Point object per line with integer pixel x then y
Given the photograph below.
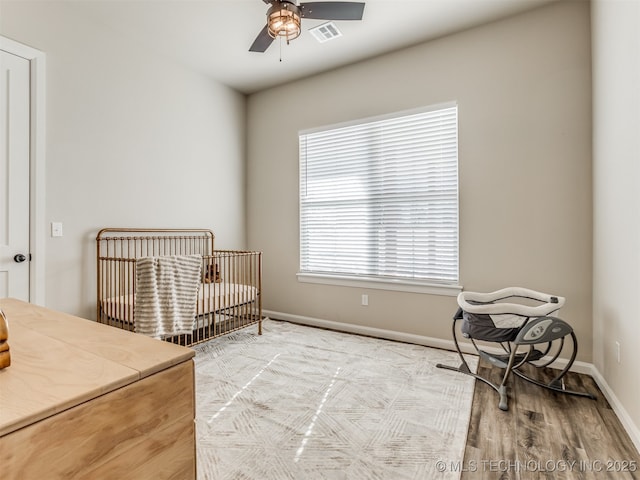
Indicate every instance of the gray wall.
{"type": "Point", "coordinates": [132, 140]}
{"type": "Point", "coordinates": [524, 93]}
{"type": "Point", "coordinates": [616, 159]}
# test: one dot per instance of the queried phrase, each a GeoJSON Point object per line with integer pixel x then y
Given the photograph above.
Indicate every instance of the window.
{"type": "Point", "coordinates": [379, 199]}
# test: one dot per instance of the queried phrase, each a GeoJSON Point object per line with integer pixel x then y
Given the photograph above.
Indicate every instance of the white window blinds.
{"type": "Point", "coordinates": [380, 198]}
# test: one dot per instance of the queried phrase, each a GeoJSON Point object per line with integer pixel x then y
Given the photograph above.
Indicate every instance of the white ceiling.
{"type": "Point", "coordinates": [213, 36]}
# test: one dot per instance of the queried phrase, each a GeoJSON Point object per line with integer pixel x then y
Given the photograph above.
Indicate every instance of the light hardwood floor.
{"type": "Point", "coordinates": [546, 435]}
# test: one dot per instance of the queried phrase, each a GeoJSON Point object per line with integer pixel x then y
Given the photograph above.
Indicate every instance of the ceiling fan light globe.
{"type": "Point", "coordinates": [283, 20]}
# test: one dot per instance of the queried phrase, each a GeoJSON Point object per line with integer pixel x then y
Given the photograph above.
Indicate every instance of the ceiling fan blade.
{"type": "Point", "coordinates": [262, 41]}
{"type": "Point", "coordinates": [332, 10]}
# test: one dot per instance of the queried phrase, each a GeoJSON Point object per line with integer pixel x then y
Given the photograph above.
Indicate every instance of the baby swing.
{"type": "Point", "coordinates": [515, 317]}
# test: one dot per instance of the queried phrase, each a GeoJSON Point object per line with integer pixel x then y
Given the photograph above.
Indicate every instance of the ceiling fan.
{"type": "Point", "coordinates": [284, 18]}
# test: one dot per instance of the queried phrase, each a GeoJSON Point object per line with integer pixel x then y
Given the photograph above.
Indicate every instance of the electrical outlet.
{"type": "Point", "coordinates": [618, 351]}
{"type": "Point", "coordinates": [365, 300]}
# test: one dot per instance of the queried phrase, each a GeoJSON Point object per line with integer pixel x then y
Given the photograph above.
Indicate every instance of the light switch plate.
{"type": "Point", "coordinates": [56, 229]}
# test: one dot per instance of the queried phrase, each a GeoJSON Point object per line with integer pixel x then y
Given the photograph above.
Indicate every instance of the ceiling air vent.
{"type": "Point", "coordinates": [325, 32]}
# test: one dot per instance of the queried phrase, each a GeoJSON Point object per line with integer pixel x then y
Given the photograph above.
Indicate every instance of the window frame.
{"type": "Point", "coordinates": [428, 286]}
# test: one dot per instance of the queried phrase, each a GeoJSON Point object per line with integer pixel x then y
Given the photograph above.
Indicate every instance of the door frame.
{"type": "Point", "coordinates": [37, 179]}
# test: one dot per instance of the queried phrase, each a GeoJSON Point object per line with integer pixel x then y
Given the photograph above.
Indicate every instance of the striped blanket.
{"type": "Point", "coordinates": [166, 294]}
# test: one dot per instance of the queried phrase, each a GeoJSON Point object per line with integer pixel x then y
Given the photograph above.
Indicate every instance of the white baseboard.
{"type": "Point", "coordinates": [622, 414]}
{"type": "Point", "coordinates": [578, 366]}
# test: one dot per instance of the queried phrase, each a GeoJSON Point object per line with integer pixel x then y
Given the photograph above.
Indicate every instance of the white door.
{"type": "Point", "coordinates": [14, 176]}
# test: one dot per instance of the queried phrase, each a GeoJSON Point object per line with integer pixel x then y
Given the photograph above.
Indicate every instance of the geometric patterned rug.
{"type": "Point", "coordinates": [304, 403]}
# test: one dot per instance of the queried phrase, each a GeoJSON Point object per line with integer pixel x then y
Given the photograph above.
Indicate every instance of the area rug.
{"type": "Point", "coordinates": [305, 403]}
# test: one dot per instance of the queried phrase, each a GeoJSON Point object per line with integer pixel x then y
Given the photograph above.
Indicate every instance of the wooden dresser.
{"type": "Point", "coordinates": [83, 400]}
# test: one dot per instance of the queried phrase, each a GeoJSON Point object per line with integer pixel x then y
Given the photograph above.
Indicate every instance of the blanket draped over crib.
{"type": "Point", "coordinates": [167, 291]}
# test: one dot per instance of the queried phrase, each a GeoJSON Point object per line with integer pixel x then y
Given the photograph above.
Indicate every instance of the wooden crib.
{"type": "Point", "coordinates": [229, 297]}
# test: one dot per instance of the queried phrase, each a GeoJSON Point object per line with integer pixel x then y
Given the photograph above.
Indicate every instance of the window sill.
{"type": "Point", "coordinates": [380, 284]}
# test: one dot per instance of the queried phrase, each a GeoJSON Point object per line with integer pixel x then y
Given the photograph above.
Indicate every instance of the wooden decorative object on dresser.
{"type": "Point", "coordinates": [84, 400]}
{"type": "Point", "coordinates": [5, 355]}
